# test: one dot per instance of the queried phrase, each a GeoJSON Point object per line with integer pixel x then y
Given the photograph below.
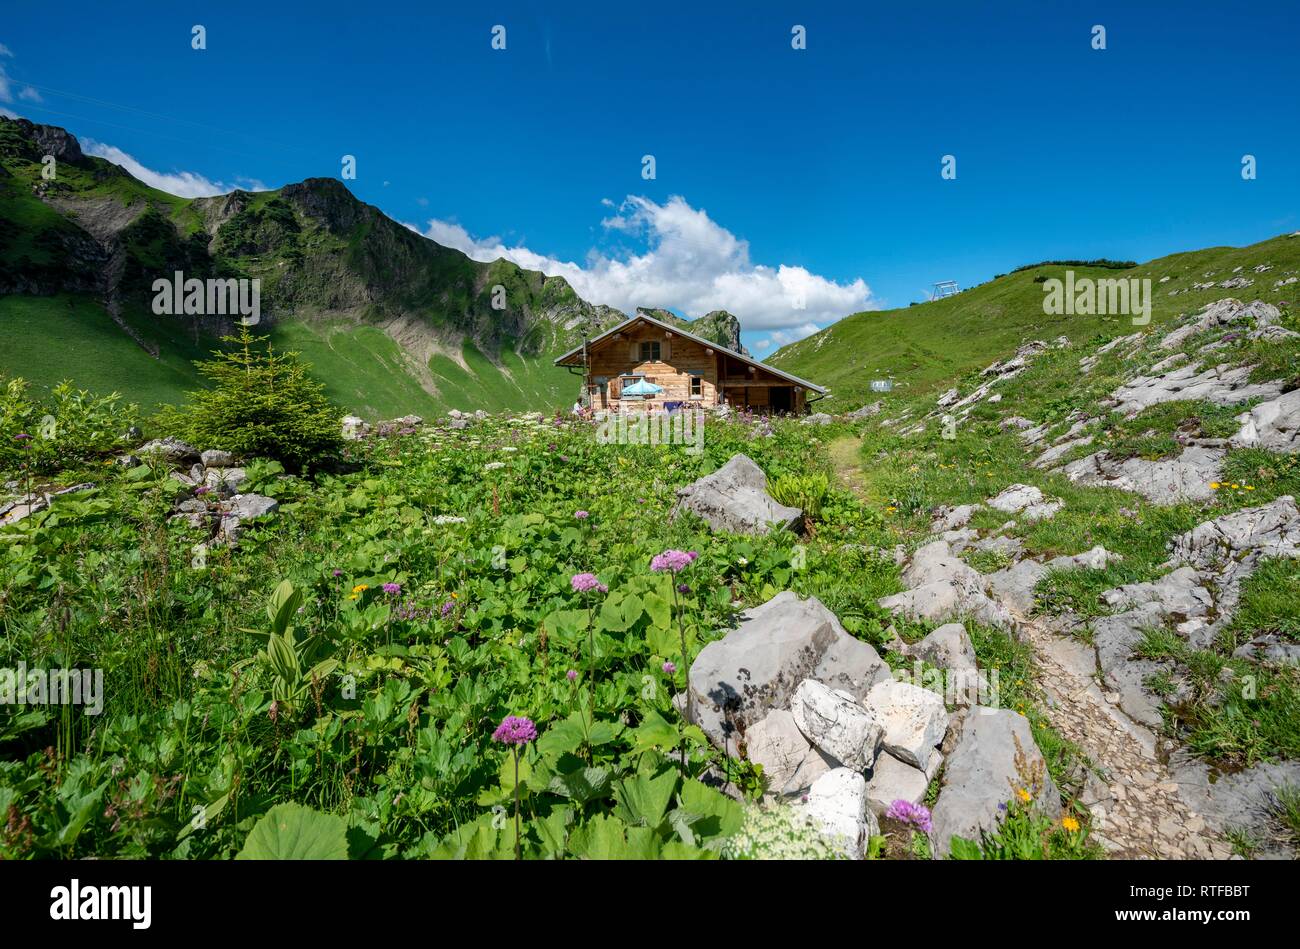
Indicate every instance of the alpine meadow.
{"type": "Point", "coordinates": [331, 529]}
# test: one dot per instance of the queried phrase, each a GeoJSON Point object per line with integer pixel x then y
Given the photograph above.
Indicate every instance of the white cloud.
{"type": "Point", "coordinates": [184, 184]}
{"type": "Point", "coordinates": [784, 337]}
{"type": "Point", "coordinates": [6, 85]}
{"type": "Point", "coordinates": [690, 264]}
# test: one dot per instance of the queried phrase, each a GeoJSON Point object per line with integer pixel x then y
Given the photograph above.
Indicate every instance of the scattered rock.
{"type": "Point", "coordinates": [213, 458]}
{"type": "Point", "coordinates": [1219, 313]}
{"type": "Point", "coordinates": [755, 668]}
{"type": "Point", "coordinates": [817, 418]}
{"type": "Point", "coordinates": [837, 802]}
{"type": "Point", "coordinates": [734, 498]}
{"type": "Point", "coordinates": [225, 481]}
{"type": "Point", "coordinates": [1222, 385]}
{"type": "Point", "coordinates": [172, 450]}
{"type": "Point", "coordinates": [241, 509]}
{"type": "Point", "coordinates": [891, 780]}
{"type": "Point", "coordinates": [835, 723]}
{"type": "Point", "coordinates": [952, 518]}
{"type": "Point", "coordinates": [1273, 425]}
{"type": "Point", "coordinates": [948, 647]}
{"type": "Point", "coordinates": [1271, 530]}
{"type": "Point", "coordinates": [944, 588]}
{"type": "Point", "coordinates": [1245, 800]}
{"type": "Point", "coordinates": [867, 411]}
{"type": "Point", "coordinates": [914, 720]}
{"type": "Point", "coordinates": [790, 763]}
{"type": "Point", "coordinates": [1026, 500]}
{"type": "Point", "coordinates": [981, 775]}
{"type": "Point", "coordinates": [355, 427]}
{"type": "Point", "coordinates": [1175, 597]}
{"type": "Point", "coordinates": [1169, 481]}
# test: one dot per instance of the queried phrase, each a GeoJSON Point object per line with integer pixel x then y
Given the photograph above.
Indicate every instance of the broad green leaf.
{"type": "Point", "coordinates": [581, 786]}
{"type": "Point", "coordinates": [293, 832]}
{"type": "Point", "coordinates": [654, 732]}
{"type": "Point", "coordinates": [601, 838]}
{"type": "Point", "coordinates": [959, 848]}
{"type": "Point", "coordinates": [644, 799]}
{"type": "Point", "coordinates": [563, 737]}
{"type": "Point", "coordinates": [659, 609]}
{"type": "Point", "coordinates": [282, 605]}
{"type": "Point", "coordinates": [553, 830]}
{"type": "Point", "coordinates": [723, 816]}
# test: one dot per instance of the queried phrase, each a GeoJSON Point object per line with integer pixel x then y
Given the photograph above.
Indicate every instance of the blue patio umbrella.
{"type": "Point", "coordinates": [641, 387]}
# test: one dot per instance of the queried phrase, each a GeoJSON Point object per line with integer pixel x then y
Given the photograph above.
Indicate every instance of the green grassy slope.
{"type": "Point", "coordinates": [51, 339]}
{"type": "Point", "coordinates": [930, 345]}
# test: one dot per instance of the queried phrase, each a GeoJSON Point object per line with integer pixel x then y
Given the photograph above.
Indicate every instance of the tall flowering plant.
{"type": "Point", "coordinates": [587, 584]}
{"type": "Point", "coordinates": [674, 562]}
{"type": "Point", "coordinates": [516, 731]}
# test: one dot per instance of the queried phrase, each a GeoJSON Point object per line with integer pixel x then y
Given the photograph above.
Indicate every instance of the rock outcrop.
{"type": "Point", "coordinates": [981, 776]}
{"type": "Point", "coordinates": [734, 498]}
{"type": "Point", "coordinates": [753, 670]}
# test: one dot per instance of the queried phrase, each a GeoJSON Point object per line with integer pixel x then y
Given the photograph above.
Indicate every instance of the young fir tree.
{"type": "Point", "coordinates": [262, 404]}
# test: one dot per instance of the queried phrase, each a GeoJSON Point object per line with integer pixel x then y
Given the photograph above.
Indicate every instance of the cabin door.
{"type": "Point", "coordinates": [779, 397]}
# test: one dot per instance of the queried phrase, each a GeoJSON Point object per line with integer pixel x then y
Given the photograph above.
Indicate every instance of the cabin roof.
{"type": "Point", "coordinates": [568, 358]}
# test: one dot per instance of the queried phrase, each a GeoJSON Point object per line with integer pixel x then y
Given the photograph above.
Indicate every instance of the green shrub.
{"type": "Point", "coordinates": [262, 404]}
{"type": "Point", "coordinates": [68, 427]}
{"type": "Point", "coordinates": [807, 492]}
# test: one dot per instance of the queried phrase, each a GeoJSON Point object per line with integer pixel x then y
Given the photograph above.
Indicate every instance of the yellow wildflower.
{"type": "Point", "coordinates": [352, 596]}
{"type": "Point", "coordinates": [1070, 824]}
{"type": "Point", "coordinates": [360, 588]}
{"type": "Point", "coordinates": [1214, 486]}
{"type": "Point", "coordinates": [1024, 795]}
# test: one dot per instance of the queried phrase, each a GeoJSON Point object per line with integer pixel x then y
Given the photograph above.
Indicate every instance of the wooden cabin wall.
{"type": "Point", "coordinates": [678, 357]}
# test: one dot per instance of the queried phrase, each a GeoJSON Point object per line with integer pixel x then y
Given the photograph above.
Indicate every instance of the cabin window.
{"type": "Point", "coordinates": [697, 386]}
{"type": "Point", "coordinates": [624, 382]}
{"type": "Point", "coordinates": [650, 350]}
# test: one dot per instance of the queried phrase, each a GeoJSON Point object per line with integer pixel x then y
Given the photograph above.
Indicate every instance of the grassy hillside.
{"type": "Point", "coordinates": [929, 345]}
{"type": "Point", "coordinates": [72, 337]}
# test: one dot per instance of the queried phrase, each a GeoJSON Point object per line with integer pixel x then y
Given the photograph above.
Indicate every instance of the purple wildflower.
{"type": "Point", "coordinates": [392, 589]}
{"type": "Point", "coordinates": [515, 730]}
{"type": "Point", "coordinates": [572, 675]}
{"type": "Point", "coordinates": [447, 607]}
{"type": "Point", "coordinates": [673, 561]}
{"type": "Point", "coordinates": [338, 572]}
{"type": "Point", "coordinates": [670, 668]}
{"type": "Point", "coordinates": [583, 582]}
{"type": "Point", "coordinates": [581, 515]}
{"type": "Point", "coordinates": [202, 490]}
{"type": "Point", "coordinates": [918, 815]}
{"type": "Point", "coordinates": [683, 588]}
{"type": "Point", "coordinates": [21, 437]}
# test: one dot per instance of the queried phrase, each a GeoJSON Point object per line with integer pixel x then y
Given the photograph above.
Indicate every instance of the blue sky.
{"type": "Point", "coordinates": [792, 186]}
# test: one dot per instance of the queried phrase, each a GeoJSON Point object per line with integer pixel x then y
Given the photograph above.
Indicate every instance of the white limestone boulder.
{"type": "Point", "coordinates": [837, 724]}
{"type": "Point", "coordinates": [914, 720]}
